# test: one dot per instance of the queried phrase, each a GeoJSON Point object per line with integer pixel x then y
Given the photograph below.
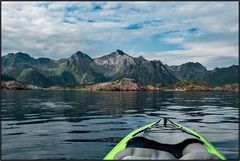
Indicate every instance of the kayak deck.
{"type": "Point", "coordinates": [164, 140]}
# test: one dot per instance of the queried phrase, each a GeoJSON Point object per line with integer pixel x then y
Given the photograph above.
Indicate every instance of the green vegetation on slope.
{"type": "Point", "coordinates": [33, 77]}
{"type": "Point", "coordinates": [183, 83]}
{"type": "Point", "coordinates": [221, 76]}
{"type": "Point", "coordinates": [81, 69]}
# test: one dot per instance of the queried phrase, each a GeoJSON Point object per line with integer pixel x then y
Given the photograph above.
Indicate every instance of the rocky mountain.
{"type": "Point", "coordinates": [83, 68]}
{"type": "Point", "coordinates": [190, 70]}
{"type": "Point", "coordinates": [114, 63]}
{"type": "Point", "coordinates": [196, 71]}
{"type": "Point", "coordinates": [222, 76]}
{"type": "Point", "coordinates": [79, 69]}
{"type": "Point", "coordinates": [119, 65]}
{"type": "Point", "coordinates": [45, 72]}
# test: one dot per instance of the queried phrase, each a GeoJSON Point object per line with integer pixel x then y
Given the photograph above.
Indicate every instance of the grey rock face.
{"type": "Point", "coordinates": [190, 70]}
{"type": "Point", "coordinates": [79, 68]}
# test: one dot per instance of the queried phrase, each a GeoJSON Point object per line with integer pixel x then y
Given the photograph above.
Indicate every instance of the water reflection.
{"type": "Point", "coordinates": [86, 125]}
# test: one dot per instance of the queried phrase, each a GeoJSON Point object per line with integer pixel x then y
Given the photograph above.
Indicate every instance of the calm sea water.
{"type": "Point", "coordinates": [86, 125]}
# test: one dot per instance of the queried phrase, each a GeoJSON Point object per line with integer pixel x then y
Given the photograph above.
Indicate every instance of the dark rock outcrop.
{"type": "Point", "coordinates": [227, 87]}
{"type": "Point", "coordinates": [13, 85]}
{"type": "Point", "coordinates": [188, 85]}
{"type": "Point", "coordinates": [151, 88]}
{"type": "Point", "coordinates": [125, 84]}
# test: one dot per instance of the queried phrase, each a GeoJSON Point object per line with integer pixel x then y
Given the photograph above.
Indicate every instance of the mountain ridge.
{"type": "Point", "coordinates": [80, 68]}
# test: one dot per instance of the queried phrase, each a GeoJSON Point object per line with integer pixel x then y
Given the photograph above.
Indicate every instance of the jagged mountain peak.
{"type": "Point", "coordinates": [9, 54]}
{"type": "Point", "coordinates": [193, 65]}
{"type": "Point", "coordinates": [44, 60]}
{"type": "Point", "coordinates": [22, 55]}
{"type": "Point", "coordinates": [189, 70]}
{"type": "Point", "coordinates": [18, 55]}
{"type": "Point", "coordinates": [80, 55]}
{"type": "Point", "coordinates": [141, 58]}
{"type": "Point", "coordinates": [82, 68]}
{"type": "Point", "coordinates": [120, 52]}
{"type": "Point", "coordinates": [116, 57]}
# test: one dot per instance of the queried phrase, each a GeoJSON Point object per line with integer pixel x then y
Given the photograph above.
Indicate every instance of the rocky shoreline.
{"type": "Point", "coordinates": [126, 84]}
{"type": "Point", "coordinates": [14, 85]}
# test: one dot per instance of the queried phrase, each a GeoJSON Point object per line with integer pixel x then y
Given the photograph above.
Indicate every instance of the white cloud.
{"type": "Point", "coordinates": [205, 53]}
{"type": "Point", "coordinates": [58, 29]}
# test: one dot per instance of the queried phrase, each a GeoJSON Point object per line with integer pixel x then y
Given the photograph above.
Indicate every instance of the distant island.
{"type": "Point", "coordinates": [126, 84]}
{"type": "Point", "coordinates": [80, 70]}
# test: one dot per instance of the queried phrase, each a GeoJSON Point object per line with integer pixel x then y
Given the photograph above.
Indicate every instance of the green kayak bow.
{"type": "Point", "coordinates": [164, 139]}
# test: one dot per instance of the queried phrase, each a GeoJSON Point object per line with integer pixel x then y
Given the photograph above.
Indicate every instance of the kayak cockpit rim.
{"type": "Point", "coordinates": [123, 143]}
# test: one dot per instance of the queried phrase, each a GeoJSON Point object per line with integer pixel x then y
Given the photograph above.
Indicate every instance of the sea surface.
{"type": "Point", "coordinates": [86, 125]}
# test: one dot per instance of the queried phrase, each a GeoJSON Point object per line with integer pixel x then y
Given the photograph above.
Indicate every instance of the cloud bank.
{"type": "Point", "coordinates": [173, 32]}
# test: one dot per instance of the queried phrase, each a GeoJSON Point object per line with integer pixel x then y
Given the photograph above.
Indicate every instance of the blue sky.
{"type": "Point", "coordinates": [173, 32]}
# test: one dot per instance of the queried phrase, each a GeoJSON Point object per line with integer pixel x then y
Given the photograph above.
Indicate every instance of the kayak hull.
{"type": "Point", "coordinates": [122, 145]}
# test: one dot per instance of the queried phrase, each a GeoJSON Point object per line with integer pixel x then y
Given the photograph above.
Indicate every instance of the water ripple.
{"type": "Point", "coordinates": [86, 125]}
